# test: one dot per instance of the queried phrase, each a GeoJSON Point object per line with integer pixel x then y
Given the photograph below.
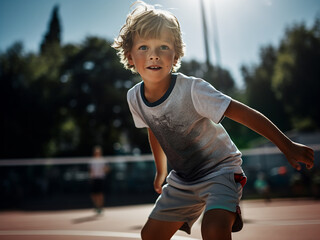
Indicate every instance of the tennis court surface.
{"type": "Point", "coordinates": [281, 219]}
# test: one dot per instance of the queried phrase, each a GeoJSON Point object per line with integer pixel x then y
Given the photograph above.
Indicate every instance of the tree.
{"type": "Point", "coordinates": [94, 90]}
{"type": "Point", "coordinates": [259, 92]}
{"type": "Point", "coordinates": [297, 73]}
{"type": "Point", "coordinates": [52, 38]}
{"type": "Point", "coordinates": [27, 105]}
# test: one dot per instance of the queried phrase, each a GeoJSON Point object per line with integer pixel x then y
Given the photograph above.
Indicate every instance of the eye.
{"type": "Point", "coordinates": [143, 47]}
{"type": "Point", "coordinates": [164, 47]}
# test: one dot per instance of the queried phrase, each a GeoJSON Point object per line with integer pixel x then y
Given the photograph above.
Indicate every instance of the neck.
{"type": "Point", "coordinates": [153, 91]}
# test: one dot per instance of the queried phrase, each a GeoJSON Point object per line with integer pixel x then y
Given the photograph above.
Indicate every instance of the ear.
{"type": "Point", "coordinates": [175, 60]}
{"type": "Point", "coordinates": [129, 57]}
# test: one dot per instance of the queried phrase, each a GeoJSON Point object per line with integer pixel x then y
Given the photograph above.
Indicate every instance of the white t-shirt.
{"type": "Point", "coordinates": [97, 168]}
{"type": "Point", "coordinates": [186, 122]}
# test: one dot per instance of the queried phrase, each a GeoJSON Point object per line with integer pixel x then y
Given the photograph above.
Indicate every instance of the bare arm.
{"type": "Point", "coordinates": [256, 121]}
{"type": "Point", "coordinates": [160, 161]}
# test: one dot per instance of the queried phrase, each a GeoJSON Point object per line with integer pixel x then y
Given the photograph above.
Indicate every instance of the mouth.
{"type": "Point", "coordinates": [154, 67]}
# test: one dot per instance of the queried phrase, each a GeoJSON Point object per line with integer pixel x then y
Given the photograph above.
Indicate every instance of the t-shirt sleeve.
{"type": "Point", "coordinates": [132, 102]}
{"type": "Point", "coordinates": [208, 101]}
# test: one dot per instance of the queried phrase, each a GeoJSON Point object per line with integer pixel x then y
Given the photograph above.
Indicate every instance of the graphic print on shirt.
{"type": "Point", "coordinates": [165, 122]}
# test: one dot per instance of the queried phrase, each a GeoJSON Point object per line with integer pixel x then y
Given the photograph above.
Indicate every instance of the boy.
{"type": "Point", "coordinates": [183, 115]}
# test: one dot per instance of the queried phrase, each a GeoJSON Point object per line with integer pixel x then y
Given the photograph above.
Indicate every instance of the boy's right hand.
{"type": "Point", "coordinates": [158, 181]}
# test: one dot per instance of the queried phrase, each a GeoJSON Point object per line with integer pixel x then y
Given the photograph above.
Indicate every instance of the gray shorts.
{"type": "Point", "coordinates": [184, 202]}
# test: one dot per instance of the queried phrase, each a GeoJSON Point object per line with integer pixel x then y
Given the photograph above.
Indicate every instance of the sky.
{"type": "Point", "coordinates": [241, 27]}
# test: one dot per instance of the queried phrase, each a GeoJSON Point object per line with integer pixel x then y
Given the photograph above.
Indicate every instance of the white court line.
{"type": "Point", "coordinates": [287, 222]}
{"type": "Point", "coordinates": [81, 233]}
{"type": "Point", "coordinates": [137, 235]}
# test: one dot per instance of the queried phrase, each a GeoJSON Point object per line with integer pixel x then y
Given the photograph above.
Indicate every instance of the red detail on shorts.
{"type": "Point", "coordinates": [238, 210]}
{"type": "Point", "coordinates": [240, 178]}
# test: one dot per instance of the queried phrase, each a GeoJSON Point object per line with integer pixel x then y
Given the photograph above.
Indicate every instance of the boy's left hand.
{"type": "Point", "coordinates": [300, 153]}
{"type": "Point", "coordinates": [158, 181]}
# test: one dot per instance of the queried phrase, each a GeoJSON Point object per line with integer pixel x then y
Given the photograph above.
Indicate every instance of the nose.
{"type": "Point", "coordinates": [154, 55]}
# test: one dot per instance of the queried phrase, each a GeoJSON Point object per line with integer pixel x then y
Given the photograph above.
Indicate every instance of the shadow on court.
{"type": "Point", "coordinates": [281, 219]}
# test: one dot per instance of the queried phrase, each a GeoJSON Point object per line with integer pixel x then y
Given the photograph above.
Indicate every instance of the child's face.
{"type": "Point", "coordinates": [97, 153]}
{"type": "Point", "coordinates": [153, 58]}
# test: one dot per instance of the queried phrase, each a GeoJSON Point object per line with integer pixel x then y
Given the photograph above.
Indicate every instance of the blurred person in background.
{"type": "Point", "coordinates": [98, 171]}
{"type": "Point", "coordinates": [262, 187]}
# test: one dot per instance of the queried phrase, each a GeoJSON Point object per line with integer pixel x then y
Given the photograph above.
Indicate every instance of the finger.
{"type": "Point", "coordinates": [309, 166]}
{"type": "Point", "coordinates": [295, 165]}
{"type": "Point", "coordinates": [158, 190]}
{"type": "Point", "coordinates": [298, 167]}
{"type": "Point", "coordinates": [307, 161]}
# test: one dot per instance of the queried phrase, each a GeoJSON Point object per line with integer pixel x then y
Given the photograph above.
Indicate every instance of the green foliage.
{"type": "Point", "coordinates": [297, 73]}
{"type": "Point", "coordinates": [94, 89]}
{"type": "Point", "coordinates": [259, 92]}
{"type": "Point", "coordinates": [285, 84]}
{"type": "Point", "coordinates": [64, 100]}
{"type": "Point", "coordinates": [62, 104]}
{"type": "Point", "coordinates": [26, 103]}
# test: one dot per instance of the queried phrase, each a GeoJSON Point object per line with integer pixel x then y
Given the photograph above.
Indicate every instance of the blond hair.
{"type": "Point", "coordinates": [147, 22]}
